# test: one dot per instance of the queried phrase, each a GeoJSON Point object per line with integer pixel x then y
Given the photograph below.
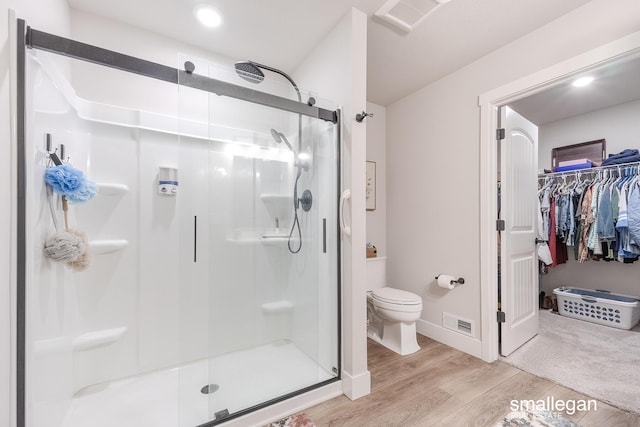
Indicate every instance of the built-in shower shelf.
{"type": "Point", "coordinates": [109, 189]}
{"type": "Point", "coordinates": [95, 339]}
{"type": "Point", "coordinates": [276, 307]}
{"type": "Point", "coordinates": [265, 241]}
{"type": "Point", "coordinates": [100, 247]}
{"type": "Point", "coordinates": [274, 240]}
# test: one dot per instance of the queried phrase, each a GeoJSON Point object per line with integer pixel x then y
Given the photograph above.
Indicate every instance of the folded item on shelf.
{"type": "Point", "coordinates": [625, 156]}
{"type": "Point", "coordinates": [574, 162]}
{"type": "Point", "coordinates": [573, 167]}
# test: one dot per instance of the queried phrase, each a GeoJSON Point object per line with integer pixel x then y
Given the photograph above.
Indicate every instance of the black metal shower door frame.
{"type": "Point", "coordinates": [29, 38]}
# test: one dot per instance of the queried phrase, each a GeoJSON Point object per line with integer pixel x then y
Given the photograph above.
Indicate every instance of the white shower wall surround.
{"type": "Point", "coordinates": [147, 305]}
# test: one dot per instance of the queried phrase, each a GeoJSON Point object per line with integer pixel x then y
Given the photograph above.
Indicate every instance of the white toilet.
{"type": "Point", "coordinates": [392, 313]}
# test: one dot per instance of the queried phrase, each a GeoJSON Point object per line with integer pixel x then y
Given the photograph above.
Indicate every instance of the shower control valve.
{"type": "Point", "coordinates": [306, 200]}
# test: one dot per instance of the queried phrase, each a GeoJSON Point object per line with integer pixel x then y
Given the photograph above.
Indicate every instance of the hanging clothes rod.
{"type": "Point", "coordinates": [62, 46]}
{"type": "Point", "coordinates": [588, 170]}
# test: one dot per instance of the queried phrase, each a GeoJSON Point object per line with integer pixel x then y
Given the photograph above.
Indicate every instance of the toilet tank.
{"type": "Point", "coordinates": [376, 273]}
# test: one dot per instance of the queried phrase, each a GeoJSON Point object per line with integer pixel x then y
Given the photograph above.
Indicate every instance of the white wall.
{"type": "Point", "coordinates": [620, 126]}
{"type": "Point", "coordinates": [376, 152]}
{"type": "Point", "coordinates": [336, 68]}
{"type": "Point", "coordinates": [435, 134]}
{"type": "Point", "coordinates": [50, 16]}
{"type": "Point", "coordinates": [125, 89]}
{"type": "Point", "coordinates": [143, 93]}
{"type": "Point", "coordinates": [45, 15]}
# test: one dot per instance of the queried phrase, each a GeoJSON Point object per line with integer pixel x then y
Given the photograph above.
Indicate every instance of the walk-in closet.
{"type": "Point", "coordinates": [588, 192]}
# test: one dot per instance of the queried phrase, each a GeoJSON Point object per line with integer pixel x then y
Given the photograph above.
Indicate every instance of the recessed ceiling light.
{"type": "Point", "coordinates": [582, 81]}
{"type": "Point", "coordinates": [208, 16]}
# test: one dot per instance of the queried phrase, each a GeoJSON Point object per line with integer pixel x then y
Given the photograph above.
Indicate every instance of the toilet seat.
{"type": "Point", "coordinates": [395, 296]}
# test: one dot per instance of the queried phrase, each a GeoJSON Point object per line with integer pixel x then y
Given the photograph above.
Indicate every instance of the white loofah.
{"type": "Point", "coordinates": [82, 261]}
{"type": "Point", "coordinates": [65, 247]}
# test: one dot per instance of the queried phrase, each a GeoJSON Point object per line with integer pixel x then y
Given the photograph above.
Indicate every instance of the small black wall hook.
{"type": "Point", "coordinates": [361, 116]}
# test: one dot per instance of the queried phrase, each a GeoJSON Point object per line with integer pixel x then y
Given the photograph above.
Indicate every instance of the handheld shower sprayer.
{"type": "Point", "coordinates": [306, 199]}
{"type": "Point", "coordinates": [300, 160]}
{"type": "Point", "coordinates": [279, 138]}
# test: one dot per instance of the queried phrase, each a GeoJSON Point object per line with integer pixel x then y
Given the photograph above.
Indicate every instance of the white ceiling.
{"type": "Point", "coordinates": [613, 84]}
{"type": "Point", "coordinates": [281, 32]}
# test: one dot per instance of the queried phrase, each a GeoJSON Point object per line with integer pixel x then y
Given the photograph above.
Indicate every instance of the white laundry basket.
{"type": "Point", "coordinates": [602, 307]}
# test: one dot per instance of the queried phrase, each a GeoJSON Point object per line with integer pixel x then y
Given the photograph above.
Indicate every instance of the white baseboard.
{"type": "Point", "coordinates": [453, 339]}
{"type": "Point", "coordinates": [280, 410]}
{"type": "Point", "coordinates": [356, 387]}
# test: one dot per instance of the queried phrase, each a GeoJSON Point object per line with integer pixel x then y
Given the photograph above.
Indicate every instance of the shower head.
{"type": "Point", "coordinates": [249, 71]}
{"type": "Point", "coordinates": [252, 72]}
{"type": "Point", "coordinates": [279, 137]}
{"type": "Point", "coordinates": [276, 136]}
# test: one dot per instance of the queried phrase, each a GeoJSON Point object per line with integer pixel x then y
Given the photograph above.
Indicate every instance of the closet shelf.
{"type": "Point", "coordinates": [109, 189]}
{"type": "Point", "coordinates": [101, 247]}
{"type": "Point", "coordinates": [95, 339]}
{"type": "Point", "coordinates": [591, 170]}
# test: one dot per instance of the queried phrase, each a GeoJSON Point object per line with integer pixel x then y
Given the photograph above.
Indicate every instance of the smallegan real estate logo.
{"type": "Point", "coordinates": [551, 408]}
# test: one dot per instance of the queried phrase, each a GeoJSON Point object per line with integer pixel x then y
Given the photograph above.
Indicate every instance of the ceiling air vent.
{"type": "Point", "coordinates": [407, 14]}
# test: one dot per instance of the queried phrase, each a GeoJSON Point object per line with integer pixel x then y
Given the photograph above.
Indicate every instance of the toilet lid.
{"type": "Point", "coordinates": [398, 296]}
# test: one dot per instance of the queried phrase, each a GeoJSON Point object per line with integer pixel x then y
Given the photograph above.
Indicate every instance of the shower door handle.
{"type": "Point", "coordinates": [346, 194]}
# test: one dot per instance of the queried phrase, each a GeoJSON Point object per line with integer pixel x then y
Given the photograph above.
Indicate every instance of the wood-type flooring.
{"type": "Point", "coordinates": [441, 386]}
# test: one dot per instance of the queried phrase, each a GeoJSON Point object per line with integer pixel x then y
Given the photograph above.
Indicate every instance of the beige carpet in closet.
{"type": "Point", "coordinates": [599, 361]}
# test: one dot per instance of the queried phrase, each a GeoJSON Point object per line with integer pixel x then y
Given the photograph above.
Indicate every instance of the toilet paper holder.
{"type": "Point", "coordinates": [458, 281]}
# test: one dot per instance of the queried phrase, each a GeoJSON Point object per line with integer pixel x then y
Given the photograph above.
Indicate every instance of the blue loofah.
{"type": "Point", "coordinates": [86, 192]}
{"type": "Point", "coordinates": [70, 182]}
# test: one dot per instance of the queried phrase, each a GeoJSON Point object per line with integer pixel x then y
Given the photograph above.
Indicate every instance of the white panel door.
{"type": "Point", "coordinates": [519, 262]}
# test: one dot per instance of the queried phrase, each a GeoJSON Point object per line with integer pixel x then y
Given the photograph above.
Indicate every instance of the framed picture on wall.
{"type": "Point", "coordinates": [371, 186]}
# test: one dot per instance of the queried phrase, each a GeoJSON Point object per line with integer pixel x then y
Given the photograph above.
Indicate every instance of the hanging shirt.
{"type": "Point", "coordinates": [544, 255]}
{"type": "Point", "coordinates": [552, 236]}
{"type": "Point", "coordinates": [545, 207]}
{"type": "Point", "coordinates": [633, 216]}
{"type": "Point", "coordinates": [586, 219]}
{"type": "Point", "coordinates": [606, 228]}
{"type": "Point", "coordinates": [593, 241]}
{"type": "Point", "coordinates": [623, 226]}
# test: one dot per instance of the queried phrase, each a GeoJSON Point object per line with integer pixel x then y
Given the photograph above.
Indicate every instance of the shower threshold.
{"type": "Point", "coordinates": [173, 397]}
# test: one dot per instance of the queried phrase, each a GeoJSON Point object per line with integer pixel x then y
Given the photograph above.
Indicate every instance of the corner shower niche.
{"type": "Point", "coordinates": [181, 290]}
{"type": "Point", "coordinates": [273, 230]}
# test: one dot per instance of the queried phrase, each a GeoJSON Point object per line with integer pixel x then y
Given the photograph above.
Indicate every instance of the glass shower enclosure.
{"type": "Point", "coordinates": [213, 286]}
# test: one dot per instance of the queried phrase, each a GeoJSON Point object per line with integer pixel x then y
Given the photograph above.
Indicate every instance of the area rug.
{"type": "Point", "coordinates": [598, 361]}
{"type": "Point", "coordinates": [296, 420]}
{"type": "Point", "coordinates": [535, 419]}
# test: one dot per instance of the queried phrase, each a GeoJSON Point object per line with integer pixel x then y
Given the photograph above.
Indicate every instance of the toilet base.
{"type": "Point", "coordinates": [398, 337]}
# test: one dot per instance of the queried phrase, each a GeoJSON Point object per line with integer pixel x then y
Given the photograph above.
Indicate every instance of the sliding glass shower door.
{"type": "Point", "coordinates": [259, 252]}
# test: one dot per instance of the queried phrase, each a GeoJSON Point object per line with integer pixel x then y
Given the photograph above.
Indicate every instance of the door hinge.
{"type": "Point", "coordinates": [500, 226]}
{"type": "Point", "coordinates": [500, 134]}
{"type": "Point", "coordinates": [501, 317]}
